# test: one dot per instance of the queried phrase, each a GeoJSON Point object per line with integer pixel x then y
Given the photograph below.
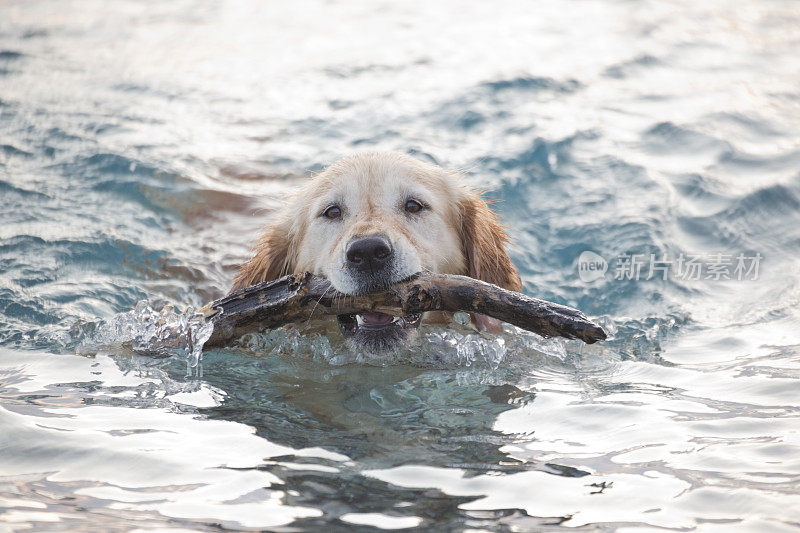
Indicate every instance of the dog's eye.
{"type": "Point", "coordinates": [413, 206]}
{"type": "Point", "coordinates": [332, 212]}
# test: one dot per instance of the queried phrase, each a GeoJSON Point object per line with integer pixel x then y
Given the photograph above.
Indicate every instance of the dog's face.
{"type": "Point", "coordinates": [373, 222]}
{"type": "Point", "coordinates": [370, 221]}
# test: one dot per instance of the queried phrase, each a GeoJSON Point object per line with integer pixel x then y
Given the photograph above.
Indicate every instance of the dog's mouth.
{"type": "Point", "coordinates": [378, 331]}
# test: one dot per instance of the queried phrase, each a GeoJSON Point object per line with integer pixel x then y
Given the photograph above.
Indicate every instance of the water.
{"type": "Point", "coordinates": [142, 145]}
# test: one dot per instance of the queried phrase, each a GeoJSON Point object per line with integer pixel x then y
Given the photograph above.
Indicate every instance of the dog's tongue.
{"type": "Point", "coordinates": [376, 319]}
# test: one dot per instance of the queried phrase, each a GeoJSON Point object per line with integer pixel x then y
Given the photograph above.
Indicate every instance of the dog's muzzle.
{"type": "Point", "coordinates": [371, 263]}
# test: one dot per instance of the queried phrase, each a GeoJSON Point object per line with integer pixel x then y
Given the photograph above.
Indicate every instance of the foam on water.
{"type": "Point", "coordinates": [145, 331]}
{"type": "Point", "coordinates": [434, 347]}
{"type": "Point", "coordinates": [168, 332]}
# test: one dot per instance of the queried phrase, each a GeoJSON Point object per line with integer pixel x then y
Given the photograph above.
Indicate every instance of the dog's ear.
{"type": "Point", "coordinates": [273, 257]}
{"type": "Point", "coordinates": [484, 241]}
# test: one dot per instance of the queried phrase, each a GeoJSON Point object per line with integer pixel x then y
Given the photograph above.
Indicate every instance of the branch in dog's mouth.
{"type": "Point", "coordinates": [380, 320]}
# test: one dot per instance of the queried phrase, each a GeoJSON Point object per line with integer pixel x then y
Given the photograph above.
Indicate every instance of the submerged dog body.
{"type": "Point", "coordinates": [371, 220]}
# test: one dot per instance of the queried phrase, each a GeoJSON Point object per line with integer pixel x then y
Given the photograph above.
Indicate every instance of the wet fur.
{"type": "Point", "coordinates": [461, 236]}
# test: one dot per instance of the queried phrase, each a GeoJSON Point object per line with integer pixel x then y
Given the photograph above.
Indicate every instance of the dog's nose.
{"type": "Point", "coordinates": [369, 253]}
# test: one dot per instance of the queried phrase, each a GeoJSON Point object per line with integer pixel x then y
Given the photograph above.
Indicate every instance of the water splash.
{"type": "Point", "coordinates": [146, 331]}
{"type": "Point", "coordinates": [168, 332]}
{"type": "Point", "coordinates": [454, 346]}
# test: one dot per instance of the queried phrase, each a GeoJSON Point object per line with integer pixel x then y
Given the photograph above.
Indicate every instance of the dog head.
{"type": "Point", "coordinates": [372, 220]}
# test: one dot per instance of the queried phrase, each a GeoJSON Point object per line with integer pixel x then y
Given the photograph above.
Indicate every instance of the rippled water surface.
{"type": "Point", "coordinates": [142, 145]}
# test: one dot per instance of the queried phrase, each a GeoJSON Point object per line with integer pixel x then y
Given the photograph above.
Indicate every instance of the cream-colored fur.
{"type": "Point", "coordinates": [456, 233]}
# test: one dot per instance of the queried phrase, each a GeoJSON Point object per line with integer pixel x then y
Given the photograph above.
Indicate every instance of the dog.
{"type": "Point", "coordinates": [371, 220]}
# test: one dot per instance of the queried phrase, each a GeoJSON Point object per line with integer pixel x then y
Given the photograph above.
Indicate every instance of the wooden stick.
{"type": "Point", "coordinates": [299, 297]}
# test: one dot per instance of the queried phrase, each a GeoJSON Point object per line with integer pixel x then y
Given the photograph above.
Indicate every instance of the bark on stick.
{"type": "Point", "coordinates": [299, 297]}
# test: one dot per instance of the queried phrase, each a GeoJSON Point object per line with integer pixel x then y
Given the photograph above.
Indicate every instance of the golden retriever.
{"type": "Point", "coordinates": [371, 220]}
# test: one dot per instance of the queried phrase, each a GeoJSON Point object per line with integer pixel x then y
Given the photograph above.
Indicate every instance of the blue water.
{"type": "Point", "coordinates": [143, 144]}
